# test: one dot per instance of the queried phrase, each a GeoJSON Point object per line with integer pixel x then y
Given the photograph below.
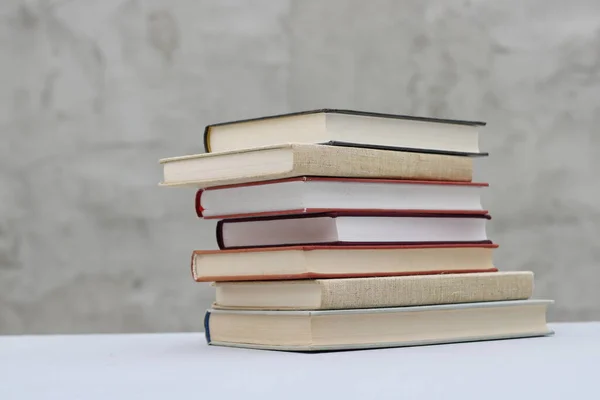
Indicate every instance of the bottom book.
{"type": "Point", "coordinates": [377, 328]}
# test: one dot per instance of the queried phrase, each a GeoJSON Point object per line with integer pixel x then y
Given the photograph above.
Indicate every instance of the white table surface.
{"type": "Point", "coordinates": [177, 366]}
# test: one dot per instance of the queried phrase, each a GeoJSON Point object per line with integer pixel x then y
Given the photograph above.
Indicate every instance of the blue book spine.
{"type": "Point", "coordinates": [207, 326]}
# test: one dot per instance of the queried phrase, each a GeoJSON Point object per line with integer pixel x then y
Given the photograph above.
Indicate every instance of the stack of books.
{"type": "Point", "coordinates": [341, 229]}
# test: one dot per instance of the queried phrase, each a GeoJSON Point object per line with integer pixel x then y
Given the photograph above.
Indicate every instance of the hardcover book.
{"type": "Point", "coordinates": [352, 228]}
{"type": "Point", "coordinates": [378, 327]}
{"type": "Point", "coordinates": [348, 128]}
{"type": "Point", "coordinates": [396, 291]}
{"type": "Point", "coordinates": [294, 160]}
{"type": "Point", "coordinates": [324, 194]}
{"type": "Point", "coordinates": [306, 262]}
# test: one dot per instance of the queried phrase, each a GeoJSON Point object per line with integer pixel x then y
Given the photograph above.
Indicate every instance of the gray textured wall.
{"type": "Point", "coordinates": [95, 92]}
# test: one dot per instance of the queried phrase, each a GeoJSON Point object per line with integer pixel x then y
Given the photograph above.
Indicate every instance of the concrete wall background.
{"type": "Point", "coordinates": [95, 92]}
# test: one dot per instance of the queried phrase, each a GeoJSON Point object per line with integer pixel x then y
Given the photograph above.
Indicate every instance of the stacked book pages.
{"type": "Point", "coordinates": [342, 229]}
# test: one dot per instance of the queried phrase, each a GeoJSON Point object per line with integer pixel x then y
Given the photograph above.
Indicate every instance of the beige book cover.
{"type": "Point", "coordinates": [293, 160]}
{"type": "Point", "coordinates": [397, 291]}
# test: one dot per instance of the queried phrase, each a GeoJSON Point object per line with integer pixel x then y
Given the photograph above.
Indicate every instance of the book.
{"type": "Point", "coordinates": [293, 160]}
{"type": "Point", "coordinates": [348, 128]}
{"type": "Point", "coordinates": [351, 228]}
{"type": "Point", "coordinates": [322, 194]}
{"type": "Point", "coordinates": [395, 291]}
{"type": "Point", "coordinates": [378, 327]}
{"type": "Point", "coordinates": [306, 262]}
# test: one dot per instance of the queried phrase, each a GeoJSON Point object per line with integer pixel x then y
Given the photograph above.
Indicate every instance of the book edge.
{"type": "Point", "coordinates": [346, 179]}
{"type": "Point", "coordinates": [387, 310]}
{"type": "Point", "coordinates": [350, 211]}
{"type": "Point", "coordinates": [395, 277]}
{"type": "Point", "coordinates": [354, 112]}
{"type": "Point", "coordinates": [346, 248]}
{"type": "Point", "coordinates": [405, 149]}
{"type": "Point", "coordinates": [360, 213]}
{"type": "Point", "coordinates": [166, 160]}
{"type": "Point", "coordinates": [314, 348]}
{"type": "Point", "coordinates": [316, 275]}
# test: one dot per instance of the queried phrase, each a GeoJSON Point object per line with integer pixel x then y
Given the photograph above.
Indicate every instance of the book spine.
{"type": "Point", "coordinates": [193, 267]}
{"type": "Point", "coordinates": [349, 245]}
{"type": "Point", "coordinates": [206, 139]}
{"type": "Point", "coordinates": [362, 162]}
{"type": "Point", "coordinates": [198, 203]}
{"type": "Point", "coordinates": [207, 326]}
{"type": "Point", "coordinates": [219, 235]}
{"type": "Point", "coordinates": [425, 290]}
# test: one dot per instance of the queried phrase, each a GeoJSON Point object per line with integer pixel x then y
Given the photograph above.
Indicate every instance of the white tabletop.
{"type": "Point", "coordinates": [174, 366]}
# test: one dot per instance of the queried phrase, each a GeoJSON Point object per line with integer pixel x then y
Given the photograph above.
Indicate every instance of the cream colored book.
{"type": "Point", "coordinates": [398, 291]}
{"type": "Point", "coordinates": [348, 127]}
{"type": "Point", "coordinates": [376, 327]}
{"type": "Point", "coordinates": [320, 262]}
{"type": "Point", "coordinates": [293, 160]}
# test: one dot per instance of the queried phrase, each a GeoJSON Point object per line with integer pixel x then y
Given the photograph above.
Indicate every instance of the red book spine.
{"type": "Point", "coordinates": [198, 203]}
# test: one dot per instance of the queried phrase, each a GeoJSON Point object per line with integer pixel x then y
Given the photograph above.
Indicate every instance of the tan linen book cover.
{"type": "Point", "coordinates": [294, 160]}
{"type": "Point", "coordinates": [399, 291]}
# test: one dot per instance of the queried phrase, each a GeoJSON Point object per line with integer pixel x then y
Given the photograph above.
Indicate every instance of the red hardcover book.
{"type": "Point", "coordinates": [320, 194]}
{"type": "Point", "coordinates": [312, 262]}
{"type": "Point", "coordinates": [345, 228]}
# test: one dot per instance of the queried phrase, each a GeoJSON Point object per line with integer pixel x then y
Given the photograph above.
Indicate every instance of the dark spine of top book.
{"type": "Point", "coordinates": [348, 128]}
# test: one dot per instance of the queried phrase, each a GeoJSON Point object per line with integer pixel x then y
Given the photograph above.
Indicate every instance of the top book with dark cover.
{"type": "Point", "coordinates": [348, 128]}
